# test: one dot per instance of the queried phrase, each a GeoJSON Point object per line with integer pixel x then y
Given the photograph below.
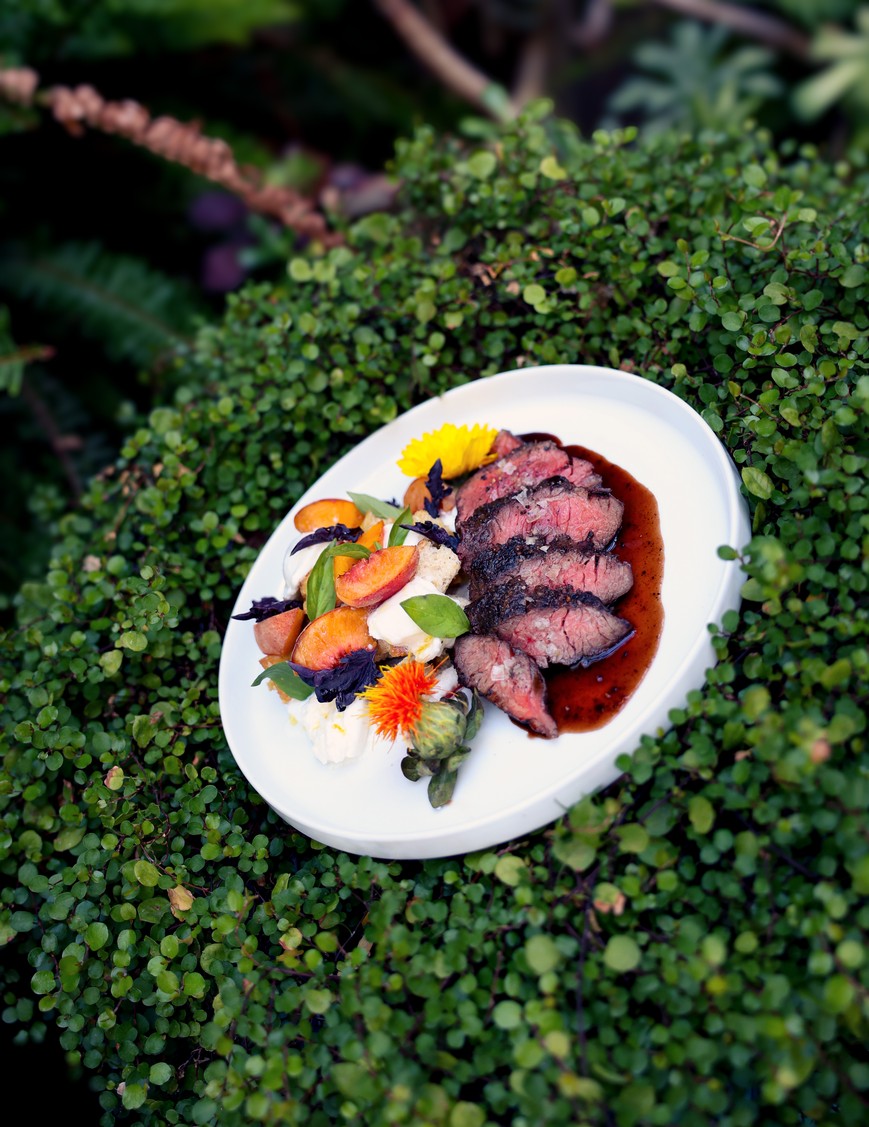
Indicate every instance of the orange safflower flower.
{"type": "Point", "coordinates": [395, 701]}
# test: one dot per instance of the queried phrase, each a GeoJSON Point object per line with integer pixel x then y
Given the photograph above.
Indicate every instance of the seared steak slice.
{"type": "Point", "coordinates": [550, 511]}
{"type": "Point", "coordinates": [553, 627]}
{"type": "Point", "coordinates": [529, 464]}
{"type": "Point", "coordinates": [555, 565]}
{"type": "Point", "coordinates": [505, 441]}
{"type": "Point", "coordinates": [506, 677]}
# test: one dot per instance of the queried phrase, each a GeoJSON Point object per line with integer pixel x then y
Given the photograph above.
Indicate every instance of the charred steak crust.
{"type": "Point", "coordinates": [560, 564]}
{"type": "Point", "coordinates": [527, 464]}
{"type": "Point", "coordinates": [508, 678]}
{"type": "Point", "coordinates": [554, 627]}
{"type": "Point", "coordinates": [553, 510]}
{"type": "Point", "coordinates": [511, 597]}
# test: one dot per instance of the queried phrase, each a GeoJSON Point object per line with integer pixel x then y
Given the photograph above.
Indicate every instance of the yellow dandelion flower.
{"type": "Point", "coordinates": [395, 701]}
{"type": "Point", "coordinates": [460, 449]}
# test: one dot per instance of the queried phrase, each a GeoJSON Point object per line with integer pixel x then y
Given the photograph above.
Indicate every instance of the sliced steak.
{"type": "Point", "coordinates": [553, 627]}
{"type": "Point", "coordinates": [528, 464]}
{"type": "Point", "coordinates": [555, 565]}
{"type": "Point", "coordinates": [552, 510]}
{"type": "Point", "coordinates": [506, 677]}
{"type": "Point", "coordinates": [505, 441]}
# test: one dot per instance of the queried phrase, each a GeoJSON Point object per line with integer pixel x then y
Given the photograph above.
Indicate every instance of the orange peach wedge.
{"type": "Point", "coordinates": [369, 539]}
{"type": "Point", "coordinates": [333, 635]}
{"type": "Point", "coordinates": [323, 514]}
{"type": "Point", "coordinates": [277, 634]}
{"type": "Point", "coordinates": [371, 581]}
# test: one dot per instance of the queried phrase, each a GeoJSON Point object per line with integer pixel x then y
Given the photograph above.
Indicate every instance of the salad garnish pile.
{"type": "Point", "coordinates": [357, 643]}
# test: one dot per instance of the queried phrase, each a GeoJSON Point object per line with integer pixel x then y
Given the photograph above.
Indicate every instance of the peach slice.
{"type": "Point", "coordinates": [325, 513]}
{"type": "Point", "coordinates": [417, 493]}
{"type": "Point", "coordinates": [369, 539]}
{"type": "Point", "coordinates": [371, 581]}
{"type": "Point", "coordinates": [277, 634]}
{"type": "Point", "coordinates": [333, 635]}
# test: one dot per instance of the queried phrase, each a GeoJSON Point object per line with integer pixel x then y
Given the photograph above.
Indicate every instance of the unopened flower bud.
{"type": "Point", "coordinates": [439, 730]}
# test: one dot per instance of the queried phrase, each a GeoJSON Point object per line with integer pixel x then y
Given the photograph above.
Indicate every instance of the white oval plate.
{"type": "Point", "coordinates": [511, 784]}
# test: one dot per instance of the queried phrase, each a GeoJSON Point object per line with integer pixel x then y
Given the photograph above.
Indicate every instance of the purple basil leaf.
{"type": "Point", "coordinates": [353, 673]}
{"type": "Point", "coordinates": [324, 535]}
{"type": "Point", "coordinates": [267, 607]}
{"type": "Point", "coordinates": [435, 533]}
{"type": "Point", "coordinates": [437, 488]}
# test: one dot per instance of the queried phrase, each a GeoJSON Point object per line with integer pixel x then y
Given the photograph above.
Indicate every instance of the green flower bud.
{"type": "Point", "coordinates": [439, 730]}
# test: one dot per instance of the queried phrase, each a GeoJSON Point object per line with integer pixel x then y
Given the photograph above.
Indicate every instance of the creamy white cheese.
{"type": "Point", "coordinates": [336, 736]}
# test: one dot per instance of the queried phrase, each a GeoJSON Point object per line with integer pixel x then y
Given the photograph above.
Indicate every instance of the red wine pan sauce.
{"type": "Point", "coordinates": [583, 699]}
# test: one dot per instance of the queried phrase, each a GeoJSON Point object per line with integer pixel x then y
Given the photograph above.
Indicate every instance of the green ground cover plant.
{"type": "Point", "coordinates": [688, 946]}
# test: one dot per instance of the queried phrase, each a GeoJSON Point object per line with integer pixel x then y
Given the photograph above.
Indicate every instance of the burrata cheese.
{"type": "Point", "coordinates": [336, 736]}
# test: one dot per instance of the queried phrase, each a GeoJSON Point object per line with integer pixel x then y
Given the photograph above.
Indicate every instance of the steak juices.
{"type": "Point", "coordinates": [538, 528]}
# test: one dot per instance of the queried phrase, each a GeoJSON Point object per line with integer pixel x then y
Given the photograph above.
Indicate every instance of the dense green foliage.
{"type": "Point", "coordinates": [689, 946]}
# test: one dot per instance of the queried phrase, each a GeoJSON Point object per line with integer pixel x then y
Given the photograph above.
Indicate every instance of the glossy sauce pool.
{"type": "Point", "coordinates": [583, 699]}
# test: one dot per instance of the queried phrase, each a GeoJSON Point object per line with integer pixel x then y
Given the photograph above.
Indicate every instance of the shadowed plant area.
{"type": "Point", "coordinates": [688, 946]}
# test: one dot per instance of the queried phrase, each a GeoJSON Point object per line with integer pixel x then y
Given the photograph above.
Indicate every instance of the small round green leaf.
{"type": "Point", "coordinates": [96, 935]}
{"type": "Point", "coordinates": [542, 954]}
{"type": "Point", "coordinates": [757, 482]}
{"type": "Point", "coordinates": [482, 164]}
{"type": "Point", "coordinates": [621, 953]}
{"type": "Point", "coordinates": [507, 1014]}
{"type": "Point", "coordinates": [146, 873]}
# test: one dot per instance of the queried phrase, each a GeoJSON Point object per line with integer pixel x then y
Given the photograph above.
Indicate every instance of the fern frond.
{"type": "Point", "coordinates": [14, 358]}
{"type": "Point", "coordinates": [135, 312]}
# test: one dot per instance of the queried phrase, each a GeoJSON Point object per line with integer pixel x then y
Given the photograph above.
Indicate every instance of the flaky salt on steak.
{"type": "Point", "coordinates": [555, 565]}
{"type": "Point", "coordinates": [553, 627]}
{"type": "Point", "coordinates": [551, 511]}
{"type": "Point", "coordinates": [528, 464]}
{"type": "Point", "coordinates": [506, 677]}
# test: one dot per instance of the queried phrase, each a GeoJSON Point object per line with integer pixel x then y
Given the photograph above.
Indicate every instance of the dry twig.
{"type": "Point", "coordinates": [173, 140]}
{"type": "Point", "coordinates": [594, 26]}
{"type": "Point", "coordinates": [436, 52]}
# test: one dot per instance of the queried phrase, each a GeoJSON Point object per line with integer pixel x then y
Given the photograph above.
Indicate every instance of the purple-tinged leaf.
{"type": "Point", "coordinates": [324, 535]}
{"type": "Point", "coordinates": [353, 673]}
{"type": "Point", "coordinates": [437, 488]}
{"type": "Point", "coordinates": [267, 607]}
{"type": "Point", "coordinates": [435, 533]}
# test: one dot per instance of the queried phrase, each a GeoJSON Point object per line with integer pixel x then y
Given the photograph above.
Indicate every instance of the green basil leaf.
{"type": "Point", "coordinates": [356, 551]}
{"type": "Point", "coordinates": [320, 589]}
{"type": "Point", "coordinates": [365, 503]}
{"type": "Point", "coordinates": [286, 679]}
{"type": "Point", "coordinates": [397, 534]}
{"type": "Point", "coordinates": [438, 615]}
